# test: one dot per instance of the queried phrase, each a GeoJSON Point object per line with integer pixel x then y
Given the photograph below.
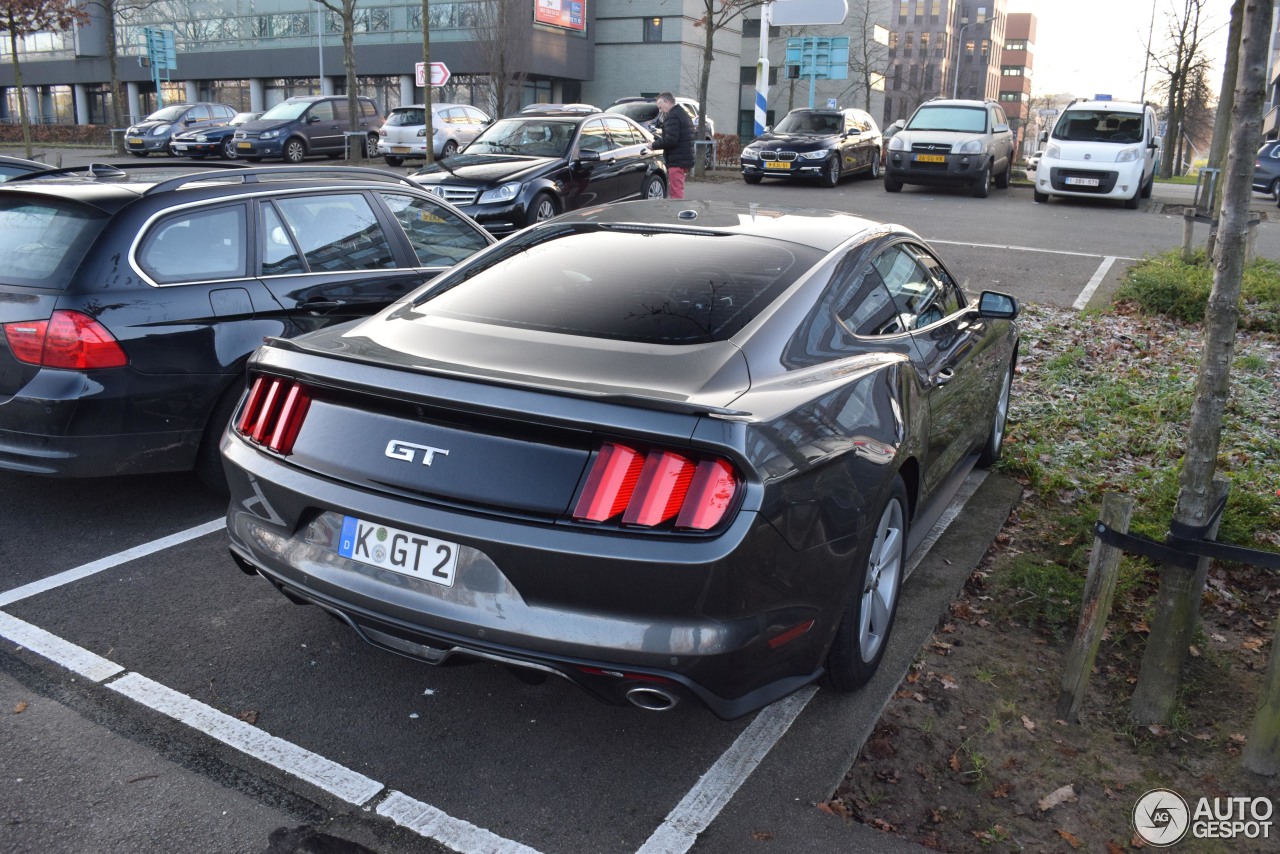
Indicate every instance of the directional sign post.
{"type": "Point", "coordinates": [439, 73]}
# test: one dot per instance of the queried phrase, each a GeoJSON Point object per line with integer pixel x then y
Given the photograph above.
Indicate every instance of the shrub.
{"type": "Point", "coordinates": [1179, 290]}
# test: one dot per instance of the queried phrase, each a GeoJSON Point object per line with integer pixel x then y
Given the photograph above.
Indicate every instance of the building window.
{"type": "Point", "coordinates": [747, 122]}
{"type": "Point", "coordinates": [653, 29]}
{"type": "Point", "coordinates": [968, 47]}
{"type": "Point", "coordinates": [907, 42]}
{"type": "Point", "coordinates": [1015, 44]}
{"type": "Point", "coordinates": [751, 29]}
{"type": "Point", "coordinates": [986, 48]}
{"type": "Point", "coordinates": [747, 75]}
{"type": "Point", "coordinates": [924, 44]}
{"type": "Point", "coordinates": [1011, 71]}
{"type": "Point", "coordinates": [903, 10]}
{"type": "Point", "coordinates": [893, 40]}
{"type": "Point", "coordinates": [935, 10]}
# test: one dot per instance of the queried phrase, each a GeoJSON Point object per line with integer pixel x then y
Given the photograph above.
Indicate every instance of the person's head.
{"type": "Point", "coordinates": [666, 101]}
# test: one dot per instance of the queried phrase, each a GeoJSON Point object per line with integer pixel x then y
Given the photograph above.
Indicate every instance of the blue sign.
{"type": "Point", "coordinates": [1102, 97]}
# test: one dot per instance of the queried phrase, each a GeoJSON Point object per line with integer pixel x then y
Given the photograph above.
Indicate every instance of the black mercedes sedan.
{"type": "Point", "coordinates": [538, 164]}
{"type": "Point", "coordinates": [825, 145]}
{"type": "Point", "coordinates": [699, 480]}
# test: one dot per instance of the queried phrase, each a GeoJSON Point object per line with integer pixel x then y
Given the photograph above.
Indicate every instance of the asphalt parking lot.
{"type": "Point", "coordinates": [153, 697]}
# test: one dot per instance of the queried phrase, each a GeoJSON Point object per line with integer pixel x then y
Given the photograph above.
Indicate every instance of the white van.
{"type": "Point", "coordinates": [1100, 149]}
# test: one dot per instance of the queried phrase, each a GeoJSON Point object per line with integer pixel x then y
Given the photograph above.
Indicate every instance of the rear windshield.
{"type": "Point", "coordinates": [653, 287]}
{"type": "Point", "coordinates": [406, 117]}
{"type": "Point", "coordinates": [44, 240]}
{"type": "Point", "coordinates": [1099, 126]}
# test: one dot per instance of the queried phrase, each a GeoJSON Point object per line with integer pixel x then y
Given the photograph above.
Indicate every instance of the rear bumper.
{"type": "Point", "coordinates": [608, 611]}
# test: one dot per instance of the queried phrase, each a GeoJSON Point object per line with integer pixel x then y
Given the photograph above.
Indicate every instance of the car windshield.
{"type": "Point", "coordinates": [44, 240]}
{"type": "Point", "coordinates": [1099, 126]}
{"type": "Point", "coordinates": [811, 123]}
{"type": "Point", "coordinates": [168, 114]}
{"type": "Point", "coordinates": [286, 110]}
{"type": "Point", "coordinates": [407, 117]}
{"type": "Point", "coordinates": [961, 119]}
{"type": "Point", "coordinates": [537, 137]}
{"type": "Point", "coordinates": [601, 283]}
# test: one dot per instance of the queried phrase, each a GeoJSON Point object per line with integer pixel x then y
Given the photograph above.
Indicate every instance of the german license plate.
{"type": "Point", "coordinates": [405, 552]}
{"type": "Point", "coordinates": [244, 146]}
{"type": "Point", "coordinates": [930, 158]}
{"type": "Point", "coordinates": [1084, 182]}
{"type": "Point", "coordinates": [776, 164]}
{"type": "Point", "coordinates": [135, 140]}
{"type": "Point", "coordinates": [399, 149]}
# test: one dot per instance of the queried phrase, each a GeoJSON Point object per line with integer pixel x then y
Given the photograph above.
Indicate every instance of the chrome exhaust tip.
{"type": "Point", "coordinates": [652, 699]}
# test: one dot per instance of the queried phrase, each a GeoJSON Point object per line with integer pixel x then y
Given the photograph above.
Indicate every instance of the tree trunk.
{"type": "Point", "coordinates": [1226, 98]}
{"type": "Point", "coordinates": [118, 117]}
{"type": "Point", "coordinates": [1262, 751]}
{"type": "Point", "coordinates": [704, 84]}
{"type": "Point", "coordinates": [23, 115]}
{"type": "Point", "coordinates": [1157, 681]}
{"type": "Point", "coordinates": [349, 61]}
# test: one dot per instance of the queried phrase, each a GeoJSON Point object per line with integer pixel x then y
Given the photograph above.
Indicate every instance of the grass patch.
{"type": "Point", "coordinates": [1165, 285]}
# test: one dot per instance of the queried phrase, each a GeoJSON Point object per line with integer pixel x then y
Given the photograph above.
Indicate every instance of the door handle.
{"type": "Point", "coordinates": [320, 305]}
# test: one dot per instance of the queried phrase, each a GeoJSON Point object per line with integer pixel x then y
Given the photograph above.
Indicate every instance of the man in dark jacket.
{"type": "Point", "coordinates": [676, 143]}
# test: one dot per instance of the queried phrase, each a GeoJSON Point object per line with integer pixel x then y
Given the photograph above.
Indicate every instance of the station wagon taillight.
{"type": "Point", "coordinates": [273, 413]}
{"type": "Point", "coordinates": [649, 488]}
{"type": "Point", "coordinates": [68, 339]}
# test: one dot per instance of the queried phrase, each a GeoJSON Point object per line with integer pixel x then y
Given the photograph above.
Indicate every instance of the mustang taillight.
{"type": "Point", "coordinates": [273, 413]}
{"type": "Point", "coordinates": [648, 488]}
{"type": "Point", "coordinates": [68, 339]}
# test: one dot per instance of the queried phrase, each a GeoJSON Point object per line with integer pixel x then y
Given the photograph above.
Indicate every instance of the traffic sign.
{"type": "Point", "coordinates": [439, 73]}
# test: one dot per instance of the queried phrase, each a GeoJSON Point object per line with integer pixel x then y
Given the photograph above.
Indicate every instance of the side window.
{"type": "Point", "coordinates": [197, 114]}
{"type": "Point", "coordinates": [340, 111]}
{"type": "Point", "coordinates": [622, 133]}
{"type": "Point", "coordinates": [475, 115]}
{"type": "Point", "coordinates": [594, 137]}
{"type": "Point", "coordinates": [337, 232]}
{"type": "Point", "coordinates": [322, 110]}
{"type": "Point", "coordinates": [439, 237]}
{"type": "Point", "coordinates": [196, 246]}
{"type": "Point", "coordinates": [280, 255]}
{"type": "Point", "coordinates": [368, 109]}
{"type": "Point", "coordinates": [225, 112]}
{"type": "Point", "coordinates": [918, 298]}
{"type": "Point", "coordinates": [869, 310]}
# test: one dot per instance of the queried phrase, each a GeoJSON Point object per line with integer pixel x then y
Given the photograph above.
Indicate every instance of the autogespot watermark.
{"type": "Point", "coordinates": [1162, 817]}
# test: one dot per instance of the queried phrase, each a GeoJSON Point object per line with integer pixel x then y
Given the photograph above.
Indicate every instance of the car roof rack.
{"type": "Point", "coordinates": [254, 174]}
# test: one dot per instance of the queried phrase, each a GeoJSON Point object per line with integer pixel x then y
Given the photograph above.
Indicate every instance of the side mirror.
{"type": "Point", "coordinates": [1044, 136]}
{"type": "Point", "coordinates": [312, 119]}
{"type": "Point", "coordinates": [589, 156]}
{"type": "Point", "coordinates": [996, 305]}
{"type": "Point", "coordinates": [1000, 128]}
{"type": "Point", "coordinates": [1157, 142]}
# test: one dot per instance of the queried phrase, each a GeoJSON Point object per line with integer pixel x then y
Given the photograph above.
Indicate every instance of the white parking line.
{"type": "Point", "coordinates": [77, 659]}
{"type": "Point", "coordinates": [1028, 249]}
{"type": "Point", "coordinates": [426, 820]}
{"type": "Point", "coordinates": [1098, 276]}
{"type": "Point", "coordinates": [84, 571]}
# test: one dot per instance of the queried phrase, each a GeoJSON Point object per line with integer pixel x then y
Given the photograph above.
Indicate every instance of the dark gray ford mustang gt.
{"type": "Point", "coordinates": [663, 449]}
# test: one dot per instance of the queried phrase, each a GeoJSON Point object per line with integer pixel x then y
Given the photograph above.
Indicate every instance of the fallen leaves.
{"type": "Point", "coordinates": [249, 716]}
{"type": "Point", "coordinates": [1059, 796]}
{"type": "Point", "coordinates": [1028, 724]}
{"type": "Point", "coordinates": [20, 708]}
{"type": "Point", "coordinates": [1072, 840]}
{"type": "Point", "coordinates": [762, 835]}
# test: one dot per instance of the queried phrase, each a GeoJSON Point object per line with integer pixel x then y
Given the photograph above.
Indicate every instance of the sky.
{"type": "Point", "coordinates": [1091, 47]}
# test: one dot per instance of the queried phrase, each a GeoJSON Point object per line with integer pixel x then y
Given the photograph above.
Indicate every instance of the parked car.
{"type": "Point", "coordinates": [12, 167]}
{"type": "Point", "coordinates": [314, 124]}
{"type": "Point", "coordinates": [952, 142]}
{"type": "Point", "coordinates": [821, 144]}
{"type": "Point", "coordinates": [217, 141]}
{"type": "Point", "coordinates": [1033, 162]}
{"type": "Point", "coordinates": [562, 108]}
{"type": "Point", "coordinates": [533, 166]}
{"type": "Point", "coordinates": [130, 303]}
{"type": "Point", "coordinates": [152, 134]}
{"type": "Point", "coordinates": [664, 450]}
{"type": "Point", "coordinates": [1266, 169]}
{"type": "Point", "coordinates": [644, 112]}
{"type": "Point", "coordinates": [404, 133]}
{"type": "Point", "coordinates": [1100, 150]}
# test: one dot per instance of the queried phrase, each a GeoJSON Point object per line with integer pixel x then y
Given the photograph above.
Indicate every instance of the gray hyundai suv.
{"type": "Point", "coordinates": [952, 142]}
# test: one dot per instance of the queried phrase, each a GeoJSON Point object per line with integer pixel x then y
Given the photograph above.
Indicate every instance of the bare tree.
{"type": "Point", "coordinates": [1182, 62]}
{"type": "Point", "coordinates": [501, 30]}
{"type": "Point", "coordinates": [868, 58]}
{"type": "Point", "coordinates": [717, 14]}
{"type": "Point", "coordinates": [346, 12]}
{"type": "Point", "coordinates": [22, 18]}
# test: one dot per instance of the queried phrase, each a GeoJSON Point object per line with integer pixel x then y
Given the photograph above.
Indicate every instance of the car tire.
{"type": "Point", "coordinates": [1131, 203]}
{"type": "Point", "coordinates": [543, 207]}
{"type": "Point", "coordinates": [653, 188]}
{"type": "Point", "coordinates": [1149, 186]}
{"type": "Point", "coordinates": [228, 148]}
{"type": "Point", "coordinates": [863, 632]}
{"type": "Point", "coordinates": [708, 161]}
{"type": "Point", "coordinates": [295, 150]}
{"type": "Point", "coordinates": [392, 160]}
{"type": "Point", "coordinates": [874, 172]}
{"type": "Point", "coordinates": [892, 185]}
{"type": "Point", "coordinates": [371, 144]}
{"type": "Point", "coordinates": [989, 455]}
{"type": "Point", "coordinates": [1003, 179]}
{"type": "Point", "coordinates": [450, 148]}
{"type": "Point", "coordinates": [208, 465]}
{"type": "Point", "coordinates": [831, 172]}
{"type": "Point", "coordinates": [982, 187]}
{"type": "Point", "coordinates": [752, 179]}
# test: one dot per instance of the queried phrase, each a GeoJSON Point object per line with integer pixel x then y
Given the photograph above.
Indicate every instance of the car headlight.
{"type": "Point", "coordinates": [160, 130]}
{"type": "Point", "coordinates": [750, 153]}
{"type": "Point", "coordinates": [132, 132]}
{"type": "Point", "coordinates": [973, 146]}
{"type": "Point", "coordinates": [270, 134]}
{"type": "Point", "coordinates": [897, 143]}
{"type": "Point", "coordinates": [201, 138]}
{"type": "Point", "coordinates": [505, 193]}
{"type": "Point", "coordinates": [1127, 156]}
{"type": "Point", "coordinates": [1052, 152]}
{"type": "Point", "coordinates": [820, 154]}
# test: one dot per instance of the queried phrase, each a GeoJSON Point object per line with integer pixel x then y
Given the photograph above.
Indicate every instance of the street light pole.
{"type": "Point", "coordinates": [955, 86]}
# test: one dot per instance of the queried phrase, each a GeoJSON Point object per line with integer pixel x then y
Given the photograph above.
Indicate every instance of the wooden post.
{"type": "Point", "coordinates": [1177, 608]}
{"type": "Point", "coordinates": [1188, 230]}
{"type": "Point", "coordinates": [1262, 751]}
{"type": "Point", "coordinates": [1099, 589]}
